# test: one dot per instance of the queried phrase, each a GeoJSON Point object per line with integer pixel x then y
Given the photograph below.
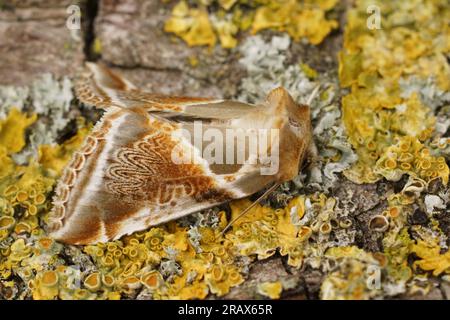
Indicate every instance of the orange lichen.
{"type": "Point", "coordinates": [93, 281]}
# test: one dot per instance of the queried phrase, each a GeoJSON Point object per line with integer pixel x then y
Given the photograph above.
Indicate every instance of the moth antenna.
{"type": "Point", "coordinates": [312, 95]}
{"type": "Point", "coordinates": [246, 210]}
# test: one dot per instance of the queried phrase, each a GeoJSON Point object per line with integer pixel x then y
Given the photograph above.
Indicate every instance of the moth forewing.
{"type": "Point", "coordinates": [125, 179]}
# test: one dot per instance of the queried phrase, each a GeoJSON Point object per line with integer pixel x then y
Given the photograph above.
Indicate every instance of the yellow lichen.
{"type": "Point", "coordinates": [431, 258]}
{"type": "Point", "coordinates": [297, 19]}
{"type": "Point", "coordinates": [397, 247]}
{"type": "Point", "coordinates": [264, 230]}
{"type": "Point", "coordinates": [309, 72]}
{"type": "Point", "coordinates": [55, 157]}
{"type": "Point", "coordinates": [270, 289]}
{"type": "Point", "coordinates": [411, 157]}
{"type": "Point", "coordinates": [221, 278]}
{"type": "Point", "coordinates": [352, 280]}
{"type": "Point", "coordinates": [192, 25]}
{"type": "Point", "coordinates": [301, 20]}
{"type": "Point", "coordinates": [376, 114]}
{"type": "Point", "coordinates": [12, 130]}
{"type": "Point", "coordinates": [24, 200]}
{"type": "Point", "coordinates": [93, 281]}
{"type": "Point", "coordinates": [45, 286]}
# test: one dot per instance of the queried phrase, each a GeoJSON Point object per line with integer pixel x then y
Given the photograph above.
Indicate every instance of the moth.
{"type": "Point", "coordinates": [125, 177]}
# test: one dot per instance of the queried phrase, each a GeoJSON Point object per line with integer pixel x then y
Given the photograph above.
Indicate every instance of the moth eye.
{"type": "Point", "coordinates": [293, 123]}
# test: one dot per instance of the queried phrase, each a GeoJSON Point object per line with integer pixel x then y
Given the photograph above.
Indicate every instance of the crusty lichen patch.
{"type": "Point", "coordinates": [202, 25]}
{"type": "Point", "coordinates": [398, 81]}
{"type": "Point", "coordinates": [383, 109]}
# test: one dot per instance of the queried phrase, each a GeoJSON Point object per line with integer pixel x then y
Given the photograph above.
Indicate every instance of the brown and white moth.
{"type": "Point", "coordinates": [125, 178]}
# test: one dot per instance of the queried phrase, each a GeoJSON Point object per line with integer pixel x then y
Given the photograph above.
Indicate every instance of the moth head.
{"type": "Point", "coordinates": [295, 131]}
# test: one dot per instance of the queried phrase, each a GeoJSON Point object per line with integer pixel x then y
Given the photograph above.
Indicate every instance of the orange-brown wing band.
{"type": "Point", "coordinates": [123, 180]}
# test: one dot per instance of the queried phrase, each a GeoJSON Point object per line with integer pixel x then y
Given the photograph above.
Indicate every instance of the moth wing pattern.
{"type": "Point", "coordinates": [124, 179]}
{"type": "Point", "coordinates": [98, 86]}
